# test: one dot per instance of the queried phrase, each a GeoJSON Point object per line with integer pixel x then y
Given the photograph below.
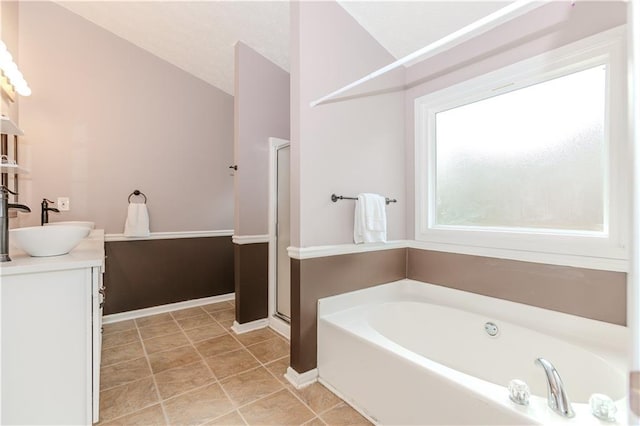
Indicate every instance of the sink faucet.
{"type": "Point", "coordinates": [556, 396]}
{"type": "Point", "coordinates": [44, 214]}
{"type": "Point", "coordinates": [5, 205]}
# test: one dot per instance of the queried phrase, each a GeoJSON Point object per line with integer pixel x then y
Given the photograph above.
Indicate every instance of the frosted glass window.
{"type": "Point", "coordinates": [530, 158]}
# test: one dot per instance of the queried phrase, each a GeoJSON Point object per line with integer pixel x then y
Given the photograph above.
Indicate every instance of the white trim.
{"type": "Point", "coordinates": [611, 247]}
{"type": "Point", "coordinates": [249, 326]}
{"type": "Point", "coordinates": [171, 235]}
{"type": "Point", "coordinates": [139, 313]}
{"type": "Point", "coordinates": [339, 249]}
{"type": "Point", "coordinates": [280, 326]}
{"type": "Point", "coordinates": [250, 239]}
{"type": "Point", "coordinates": [597, 263]}
{"type": "Point", "coordinates": [301, 380]}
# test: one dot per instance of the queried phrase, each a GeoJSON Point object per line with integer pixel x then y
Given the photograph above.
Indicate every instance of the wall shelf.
{"type": "Point", "coordinates": [9, 167]}
{"type": "Point", "coordinates": [13, 168]}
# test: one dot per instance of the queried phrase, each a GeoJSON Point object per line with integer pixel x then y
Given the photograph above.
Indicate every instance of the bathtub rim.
{"type": "Point", "coordinates": [609, 338]}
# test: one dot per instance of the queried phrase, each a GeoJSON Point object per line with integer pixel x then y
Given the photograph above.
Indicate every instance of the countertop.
{"type": "Point", "coordinates": [89, 253]}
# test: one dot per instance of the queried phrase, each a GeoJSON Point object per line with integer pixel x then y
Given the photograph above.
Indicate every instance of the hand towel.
{"type": "Point", "coordinates": [370, 219]}
{"type": "Point", "coordinates": [137, 223]}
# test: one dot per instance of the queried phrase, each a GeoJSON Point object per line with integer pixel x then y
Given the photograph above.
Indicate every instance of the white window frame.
{"type": "Point", "coordinates": [598, 250]}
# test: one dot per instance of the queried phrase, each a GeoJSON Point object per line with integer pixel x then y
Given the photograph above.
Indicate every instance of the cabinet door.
{"type": "Point", "coordinates": [46, 348]}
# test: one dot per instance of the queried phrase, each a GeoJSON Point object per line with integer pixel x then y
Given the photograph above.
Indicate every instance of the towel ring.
{"type": "Point", "coordinates": [137, 192]}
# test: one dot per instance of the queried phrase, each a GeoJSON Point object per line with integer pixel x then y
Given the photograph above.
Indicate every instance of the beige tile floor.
{"type": "Point", "coordinates": [187, 368]}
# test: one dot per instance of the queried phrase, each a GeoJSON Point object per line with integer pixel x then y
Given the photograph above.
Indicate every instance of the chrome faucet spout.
{"type": "Point", "coordinates": [556, 395]}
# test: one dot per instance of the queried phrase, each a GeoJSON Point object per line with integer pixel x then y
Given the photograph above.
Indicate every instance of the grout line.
{"type": "Point", "coordinates": [153, 377]}
{"type": "Point", "coordinates": [140, 340]}
{"type": "Point", "coordinates": [128, 414]}
{"type": "Point", "coordinates": [206, 364]}
{"type": "Point", "coordinates": [283, 386]}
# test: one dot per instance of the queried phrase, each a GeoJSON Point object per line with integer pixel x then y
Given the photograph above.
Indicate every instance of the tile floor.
{"type": "Point", "coordinates": [187, 368]}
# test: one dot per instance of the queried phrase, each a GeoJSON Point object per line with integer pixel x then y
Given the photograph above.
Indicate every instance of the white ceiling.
{"type": "Point", "coordinates": [199, 36]}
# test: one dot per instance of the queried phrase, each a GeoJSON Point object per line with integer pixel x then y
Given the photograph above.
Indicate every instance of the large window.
{"type": "Point", "coordinates": [528, 158]}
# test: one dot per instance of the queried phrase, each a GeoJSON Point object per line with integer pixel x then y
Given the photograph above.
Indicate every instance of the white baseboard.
{"type": "Point", "coordinates": [300, 381]}
{"type": "Point", "coordinates": [139, 313]}
{"type": "Point", "coordinates": [249, 326]}
{"type": "Point", "coordinates": [280, 326]}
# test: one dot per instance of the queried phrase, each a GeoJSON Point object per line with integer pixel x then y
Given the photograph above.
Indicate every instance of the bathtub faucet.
{"type": "Point", "coordinates": [556, 396]}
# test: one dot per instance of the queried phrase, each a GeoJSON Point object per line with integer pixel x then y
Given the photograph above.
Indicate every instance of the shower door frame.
{"type": "Point", "coordinates": [275, 321]}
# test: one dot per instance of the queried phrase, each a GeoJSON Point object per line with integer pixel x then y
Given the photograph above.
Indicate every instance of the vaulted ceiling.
{"type": "Point", "coordinates": [199, 36]}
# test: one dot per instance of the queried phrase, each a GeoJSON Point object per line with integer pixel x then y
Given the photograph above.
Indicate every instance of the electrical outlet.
{"type": "Point", "coordinates": [63, 204]}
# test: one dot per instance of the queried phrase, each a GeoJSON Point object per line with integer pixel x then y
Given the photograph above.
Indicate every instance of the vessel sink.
{"type": "Point", "coordinates": [41, 241]}
{"type": "Point", "coordinates": [85, 223]}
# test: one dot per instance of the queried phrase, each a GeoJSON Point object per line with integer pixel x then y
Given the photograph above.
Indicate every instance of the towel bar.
{"type": "Point", "coordinates": [137, 192]}
{"type": "Point", "coordinates": [335, 198]}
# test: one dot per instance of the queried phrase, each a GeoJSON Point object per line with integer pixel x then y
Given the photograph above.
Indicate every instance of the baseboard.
{"type": "Point", "coordinates": [280, 326]}
{"type": "Point", "coordinates": [300, 381]}
{"type": "Point", "coordinates": [139, 313]}
{"type": "Point", "coordinates": [249, 326]}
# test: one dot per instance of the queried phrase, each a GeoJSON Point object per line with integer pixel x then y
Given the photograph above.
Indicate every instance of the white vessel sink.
{"type": "Point", "coordinates": [41, 241]}
{"type": "Point", "coordinates": [85, 223]}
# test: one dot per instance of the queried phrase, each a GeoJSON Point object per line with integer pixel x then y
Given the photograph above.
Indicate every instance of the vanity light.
{"type": "Point", "coordinates": [12, 79]}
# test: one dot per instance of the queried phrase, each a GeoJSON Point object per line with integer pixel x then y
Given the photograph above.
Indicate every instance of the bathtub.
{"type": "Point", "coordinates": [414, 353]}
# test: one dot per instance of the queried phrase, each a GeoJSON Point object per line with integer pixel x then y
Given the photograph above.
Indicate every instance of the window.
{"type": "Point", "coordinates": [528, 158]}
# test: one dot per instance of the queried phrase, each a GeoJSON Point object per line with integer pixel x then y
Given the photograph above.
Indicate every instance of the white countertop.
{"type": "Point", "coordinates": [89, 253]}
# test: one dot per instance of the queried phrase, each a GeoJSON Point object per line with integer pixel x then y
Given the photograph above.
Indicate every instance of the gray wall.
{"type": "Point", "coordinates": [261, 111]}
{"type": "Point", "coordinates": [343, 147]}
{"type": "Point", "coordinates": [333, 145]}
{"type": "Point", "coordinates": [107, 117]}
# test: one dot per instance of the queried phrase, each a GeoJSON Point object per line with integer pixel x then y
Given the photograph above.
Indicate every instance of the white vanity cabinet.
{"type": "Point", "coordinates": [51, 320]}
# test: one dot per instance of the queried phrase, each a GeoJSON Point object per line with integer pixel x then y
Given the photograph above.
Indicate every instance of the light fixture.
{"type": "Point", "coordinates": [12, 80]}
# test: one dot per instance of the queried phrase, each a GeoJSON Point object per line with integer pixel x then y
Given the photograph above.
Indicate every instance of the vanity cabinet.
{"type": "Point", "coordinates": [51, 320]}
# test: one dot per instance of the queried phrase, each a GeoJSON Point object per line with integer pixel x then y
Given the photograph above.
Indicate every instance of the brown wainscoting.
{"type": "Point", "coordinates": [313, 279]}
{"type": "Point", "coordinates": [145, 273]}
{"type": "Point", "coordinates": [251, 281]}
{"type": "Point", "coordinates": [589, 293]}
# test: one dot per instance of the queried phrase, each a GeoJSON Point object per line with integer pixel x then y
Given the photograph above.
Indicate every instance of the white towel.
{"type": "Point", "coordinates": [370, 219]}
{"type": "Point", "coordinates": [137, 223]}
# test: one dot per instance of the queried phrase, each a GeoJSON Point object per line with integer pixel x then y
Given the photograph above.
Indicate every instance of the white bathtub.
{"type": "Point", "coordinates": [414, 353]}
